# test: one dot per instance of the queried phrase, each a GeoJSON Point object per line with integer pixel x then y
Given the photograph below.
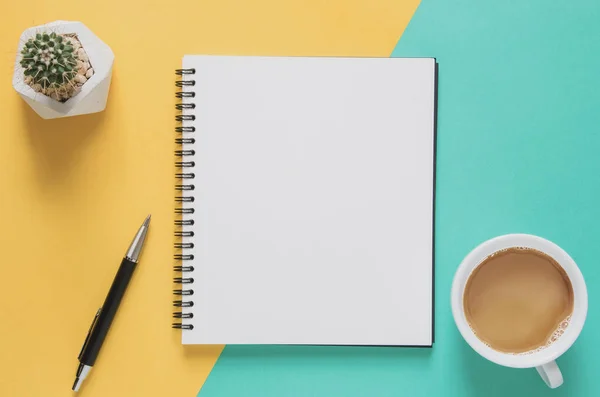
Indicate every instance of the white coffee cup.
{"type": "Point", "coordinates": [543, 360]}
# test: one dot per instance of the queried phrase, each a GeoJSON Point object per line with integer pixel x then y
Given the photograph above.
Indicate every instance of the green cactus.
{"type": "Point", "coordinates": [50, 61]}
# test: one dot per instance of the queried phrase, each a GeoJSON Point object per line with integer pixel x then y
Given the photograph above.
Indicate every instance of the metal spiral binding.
{"type": "Point", "coordinates": [184, 189]}
{"type": "Point", "coordinates": [183, 315]}
{"type": "Point", "coordinates": [184, 268]}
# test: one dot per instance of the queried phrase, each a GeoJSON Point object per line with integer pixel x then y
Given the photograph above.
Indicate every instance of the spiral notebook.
{"type": "Point", "coordinates": [305, 198]}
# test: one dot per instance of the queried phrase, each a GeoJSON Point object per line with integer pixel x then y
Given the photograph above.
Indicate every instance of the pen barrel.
{"type": "Point", "coordinates": [108, 311]}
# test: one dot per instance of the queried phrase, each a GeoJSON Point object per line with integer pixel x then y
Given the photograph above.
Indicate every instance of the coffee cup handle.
{"type": "Point", "coordinates": [551, 374]}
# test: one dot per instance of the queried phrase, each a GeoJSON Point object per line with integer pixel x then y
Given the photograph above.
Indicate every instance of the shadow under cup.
{"type": "Point", "coordinates": [580, 300]}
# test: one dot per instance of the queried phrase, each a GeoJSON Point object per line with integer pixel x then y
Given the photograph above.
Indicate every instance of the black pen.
{"type": "Point", "coordinates": [106, 314]}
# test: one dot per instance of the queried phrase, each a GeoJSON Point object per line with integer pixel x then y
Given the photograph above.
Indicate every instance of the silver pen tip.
{"type": "Point", "coordinates": [82, 372]}
{"type": "Point", "coordinates": [77, 384]}
{"type": "Point", "coordinates": [133, 253]}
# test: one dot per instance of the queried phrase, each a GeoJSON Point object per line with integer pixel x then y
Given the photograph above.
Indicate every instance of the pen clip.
{"type": "Point", "coordinates": [87, 338]}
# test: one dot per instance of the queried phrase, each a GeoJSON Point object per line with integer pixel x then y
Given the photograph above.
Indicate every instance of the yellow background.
{"type": "Point", "coordinates": [74, 191]}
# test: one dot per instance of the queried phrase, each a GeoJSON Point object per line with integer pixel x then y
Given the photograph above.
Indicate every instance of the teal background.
{"type": "Point", "coordinates": [518, 140]}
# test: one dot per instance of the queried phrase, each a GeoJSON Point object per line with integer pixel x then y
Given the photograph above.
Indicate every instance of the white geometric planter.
{"type": "Point", "coordinates": [94, 93]}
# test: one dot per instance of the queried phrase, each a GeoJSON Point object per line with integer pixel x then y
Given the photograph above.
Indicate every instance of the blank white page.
{"type": "Point", "coordinates": [313, 200]}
